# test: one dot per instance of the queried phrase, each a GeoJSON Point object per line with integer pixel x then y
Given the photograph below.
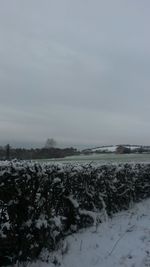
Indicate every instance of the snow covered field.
{"type": "Point", "coordinates": [102, 158]}
{"type": "Point", "coordinates": [123, 241]}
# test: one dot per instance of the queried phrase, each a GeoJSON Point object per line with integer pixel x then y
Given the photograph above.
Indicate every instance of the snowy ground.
{"type": "Point", "coordinates": [101, 159]}
{"type": "Point", "coordinates": [122, 241]}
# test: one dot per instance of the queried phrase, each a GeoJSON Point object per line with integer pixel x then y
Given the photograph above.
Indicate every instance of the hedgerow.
{"type": "Point", "coordinates": [40, 204]}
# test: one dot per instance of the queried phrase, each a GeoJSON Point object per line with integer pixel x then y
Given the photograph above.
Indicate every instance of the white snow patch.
{"type": "Point", "coordinates": [73, 201]}
{"type": "Point", "coordinates": [57, 221]}
{"type": "Point", "coordinates": [41, 222]}
{"type": "Point", "coordinates": [56, 180]}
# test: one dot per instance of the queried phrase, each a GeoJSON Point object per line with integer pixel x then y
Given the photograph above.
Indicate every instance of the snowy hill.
{"type": "Point", "coordinates": [105, 148]}
{"type": "Point", "coordinates": [114, 147]}
{"type": "Point", "coordinates": [120, 242]}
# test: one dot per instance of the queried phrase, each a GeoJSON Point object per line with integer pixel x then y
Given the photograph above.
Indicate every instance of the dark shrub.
{"type": "Point", "coordinates": [40, 204]}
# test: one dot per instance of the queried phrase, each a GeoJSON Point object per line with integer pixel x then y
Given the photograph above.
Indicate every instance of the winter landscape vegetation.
{"type": "Point", "coordinates": [74, 133]}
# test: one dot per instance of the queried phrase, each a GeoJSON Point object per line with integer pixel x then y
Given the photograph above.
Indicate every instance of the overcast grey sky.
{"type": "Point", "coordinates": [75, 70]}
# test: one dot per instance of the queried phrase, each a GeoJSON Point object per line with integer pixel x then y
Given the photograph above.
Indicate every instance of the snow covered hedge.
{"type": "Point", "coordinates": [40, 204]}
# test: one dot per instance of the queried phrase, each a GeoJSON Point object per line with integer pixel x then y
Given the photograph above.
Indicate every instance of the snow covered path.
{"type": "Point", "coordinates": [122, 241]}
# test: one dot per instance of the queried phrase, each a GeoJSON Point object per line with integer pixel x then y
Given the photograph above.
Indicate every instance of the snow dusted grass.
{"type": "Point", "coordinates": [123, 241]}
{"type": "Point", "coordinates": [101, 158]}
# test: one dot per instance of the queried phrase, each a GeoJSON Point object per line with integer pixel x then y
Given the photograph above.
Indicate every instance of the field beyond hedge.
{"type": "Point", "coordinates": [41, 204]}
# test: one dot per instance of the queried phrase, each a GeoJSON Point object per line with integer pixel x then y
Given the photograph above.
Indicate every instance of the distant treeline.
{"type": "Point", "coordinates": [38, 153]}
{"type": "Point", "coordinates": [120, 149]}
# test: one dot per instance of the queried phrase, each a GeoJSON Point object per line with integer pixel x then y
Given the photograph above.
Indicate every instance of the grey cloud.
{"type": "Point", "coordinates": [75, 70]}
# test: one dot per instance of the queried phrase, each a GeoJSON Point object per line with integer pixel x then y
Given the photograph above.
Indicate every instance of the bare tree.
{"type": "Point", "coordinates": [50, 142]}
